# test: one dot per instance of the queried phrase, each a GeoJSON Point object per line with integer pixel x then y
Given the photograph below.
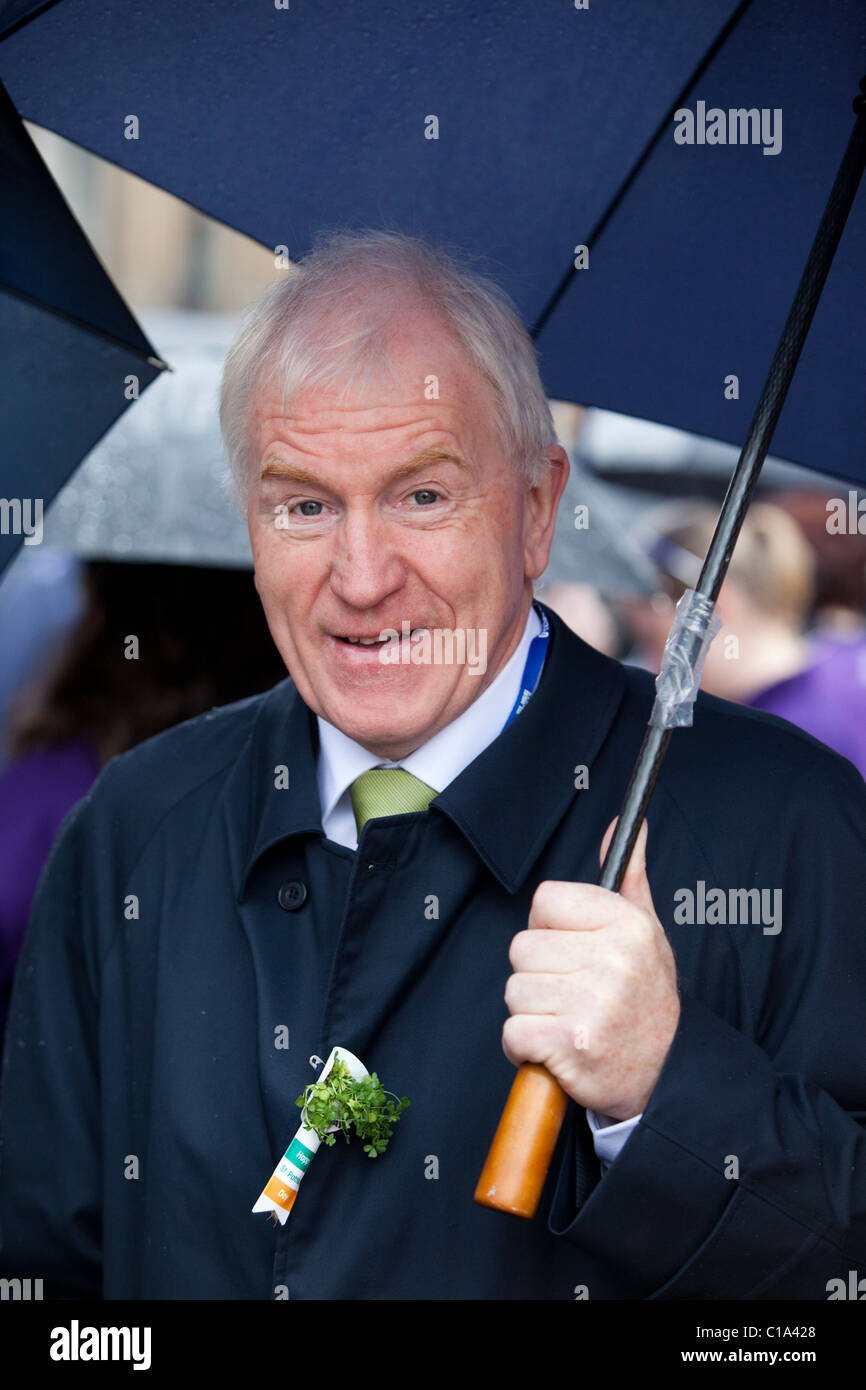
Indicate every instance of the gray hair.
{"type": "Point", "coordinates": [331, 320]}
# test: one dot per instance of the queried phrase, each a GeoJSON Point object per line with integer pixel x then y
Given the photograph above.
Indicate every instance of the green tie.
{"type": "Point", "coordinates": [388, 791]}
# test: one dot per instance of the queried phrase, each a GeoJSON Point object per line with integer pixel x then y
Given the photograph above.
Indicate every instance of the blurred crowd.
{"type": "Point", "coordinates": [792, 608]}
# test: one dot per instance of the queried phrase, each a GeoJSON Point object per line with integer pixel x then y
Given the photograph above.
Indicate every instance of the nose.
{"type": "Point", "coordinates": [366, 568]}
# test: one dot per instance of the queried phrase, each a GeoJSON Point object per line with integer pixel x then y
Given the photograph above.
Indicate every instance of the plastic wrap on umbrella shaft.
{"type": "Point", "coordinates": [695, 624]}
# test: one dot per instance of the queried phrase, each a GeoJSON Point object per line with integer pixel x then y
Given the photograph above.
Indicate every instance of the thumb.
{"type": "Point", "coordinates": [635, 884]}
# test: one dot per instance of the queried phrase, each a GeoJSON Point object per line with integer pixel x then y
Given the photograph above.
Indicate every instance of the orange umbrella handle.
{"type": "Point", "coordinates": [523, 1144]}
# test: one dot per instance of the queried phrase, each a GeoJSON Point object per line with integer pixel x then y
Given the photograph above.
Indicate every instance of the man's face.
{"type": "Point", "coordinates": [385, 510]}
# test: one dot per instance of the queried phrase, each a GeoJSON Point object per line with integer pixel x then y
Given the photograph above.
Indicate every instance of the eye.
{"type": "Point", "coordinates": [309, 503]}
{"type": "Point", "coordinates": [426, 496]}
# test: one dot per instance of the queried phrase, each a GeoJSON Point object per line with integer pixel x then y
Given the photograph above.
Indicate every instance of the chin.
{"type": "Point", "coordinates": [388, 741]}
{"type": "Point", "coordinates": [392, 738]}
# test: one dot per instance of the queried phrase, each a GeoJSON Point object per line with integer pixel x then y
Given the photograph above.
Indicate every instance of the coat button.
{"type": "Point", "coordinates": [292, 895]}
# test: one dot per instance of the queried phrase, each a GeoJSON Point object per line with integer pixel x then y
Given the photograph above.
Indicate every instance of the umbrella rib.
{"type": "Point", "coordinates": [26, 18]}
{"type": "Point", "coordinates": [150, 358]}
{"type": "Point", "coordinates": [717, 44]}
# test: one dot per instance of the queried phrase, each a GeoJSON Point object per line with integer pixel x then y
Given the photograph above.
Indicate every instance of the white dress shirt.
{"type": "Point", "coordinates": [437, 762]}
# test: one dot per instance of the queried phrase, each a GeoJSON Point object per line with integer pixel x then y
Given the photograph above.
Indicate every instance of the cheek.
{"type": "Point", "coordinates": [477, 544]}
{"type": "Point", "coordinates": [271, 579]}
{"type": "Point", "coordinates": [286, 585]}
{"type": "Point", "coordinates": [261, 572]}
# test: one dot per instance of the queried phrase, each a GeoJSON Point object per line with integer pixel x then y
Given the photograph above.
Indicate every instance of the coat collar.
{"type": "Point", "coordinates": [510, 799]}
{"type": "Point", "coordinates": [506, 803]}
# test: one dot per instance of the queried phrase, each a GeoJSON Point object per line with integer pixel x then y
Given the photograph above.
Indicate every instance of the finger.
{"type": "Point", "coordinates": [543, 950]}
{"type": "Point", "coordinates": [605, 844]}
{"type": "Point", "coordinates": [635, 886]}
{"type": "Point", "coordinates": [538, 993]}
{"type": "Point", "coordinates": [531, 1038]}
{"type": "Point", "coordinates": [562, 906]}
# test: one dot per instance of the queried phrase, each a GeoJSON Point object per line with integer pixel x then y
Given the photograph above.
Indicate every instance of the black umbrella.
{"type": "Point", "coordinates": [73, 355]}
{"type": "Point", "coordinates": [519, 132]}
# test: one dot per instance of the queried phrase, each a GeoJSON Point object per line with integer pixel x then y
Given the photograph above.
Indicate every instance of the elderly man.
{"type": "Point", "coordinates": [396, 854]}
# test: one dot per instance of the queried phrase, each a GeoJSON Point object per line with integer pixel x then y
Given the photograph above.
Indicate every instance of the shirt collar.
{"type": "Point", "coordinates": [506, 802]}
{"type": "Point", "coordinates": [438, 761]}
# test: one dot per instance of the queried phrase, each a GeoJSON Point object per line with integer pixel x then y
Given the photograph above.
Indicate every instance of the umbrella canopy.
{"type": "Point", "coordinates": [70, 348]}
{"type": "Point", "coordinates": [520, 133]}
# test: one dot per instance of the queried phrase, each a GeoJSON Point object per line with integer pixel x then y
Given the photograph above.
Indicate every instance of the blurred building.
{"type": "Point", "coordinates": [159, 251]}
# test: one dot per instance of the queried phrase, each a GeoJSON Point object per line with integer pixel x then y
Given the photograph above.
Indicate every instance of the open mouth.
{"type": "Point", "coordinates": [379, 641]}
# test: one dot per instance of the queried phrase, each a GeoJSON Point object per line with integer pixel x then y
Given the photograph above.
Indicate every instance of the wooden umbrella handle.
{"type": "Point", "coordinates": [513, 1176]}
{"type": "Point", "coordinates": [519, 1157]}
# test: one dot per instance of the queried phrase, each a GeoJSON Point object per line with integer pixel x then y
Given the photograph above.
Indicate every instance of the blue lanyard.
{"type": "Point", "coordinates": [532, 670]}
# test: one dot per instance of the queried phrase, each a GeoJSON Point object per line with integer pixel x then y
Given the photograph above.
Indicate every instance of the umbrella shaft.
{"type": "Point", "coordinates": [754, 451]}
{"type": "Point", "coordinates": [784, 362]}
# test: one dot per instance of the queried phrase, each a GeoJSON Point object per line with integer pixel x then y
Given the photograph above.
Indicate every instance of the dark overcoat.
{"type": "Point", "coordinates": [148, 1090]}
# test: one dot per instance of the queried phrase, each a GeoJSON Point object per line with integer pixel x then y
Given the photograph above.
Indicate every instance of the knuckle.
{"type": "Point", "coordinates": [511, 1033]}
{"type": "Point", "coordinates": [518, 948]}
{"type": "Point", "coordinates": [623, 966]}
{"type": "Point", "coordinates": [562, 993]}
{"type": "Point", "coordinates": [544, 898]}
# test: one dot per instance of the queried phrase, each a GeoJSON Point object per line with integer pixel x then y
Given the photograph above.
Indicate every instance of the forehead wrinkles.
{"type": "Point", "coordinates": [373, 419]}
{"type": "Point", "coordinates": [462, 394]}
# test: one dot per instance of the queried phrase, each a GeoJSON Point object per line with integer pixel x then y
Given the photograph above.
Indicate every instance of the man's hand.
{"type": "Point", "coordinates": [594, 994]}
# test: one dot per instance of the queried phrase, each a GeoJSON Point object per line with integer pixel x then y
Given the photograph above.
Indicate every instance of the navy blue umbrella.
{"type": "Point", "coordinates": [518, 132]}
{"type": "Point", "coordinates": [68, 344]}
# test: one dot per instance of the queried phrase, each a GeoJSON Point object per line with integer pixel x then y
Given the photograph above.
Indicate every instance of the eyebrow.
{"type": "Point", "coordinates": [297, 473]}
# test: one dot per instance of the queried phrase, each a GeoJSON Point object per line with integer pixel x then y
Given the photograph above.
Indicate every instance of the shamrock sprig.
{"type": "Point", "coordinates": [343, 1101]}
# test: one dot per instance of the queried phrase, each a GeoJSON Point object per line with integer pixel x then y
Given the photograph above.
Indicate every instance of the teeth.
{"type": "Point", "coordinates": [377, 641]}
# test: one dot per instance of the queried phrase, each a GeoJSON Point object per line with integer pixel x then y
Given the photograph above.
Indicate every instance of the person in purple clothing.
{"type": "Point", "coordinates": [764, 656]}
{"type": "Point", "coordinates": [36, 791]}
{"type": "Point", "coordinates": [156, 644]}
{"type": "Point", "coordinates": [827, 698]}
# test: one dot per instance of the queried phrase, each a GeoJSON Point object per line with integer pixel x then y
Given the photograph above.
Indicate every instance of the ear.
{"type": "Point", "coordinates": [542, 504]}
